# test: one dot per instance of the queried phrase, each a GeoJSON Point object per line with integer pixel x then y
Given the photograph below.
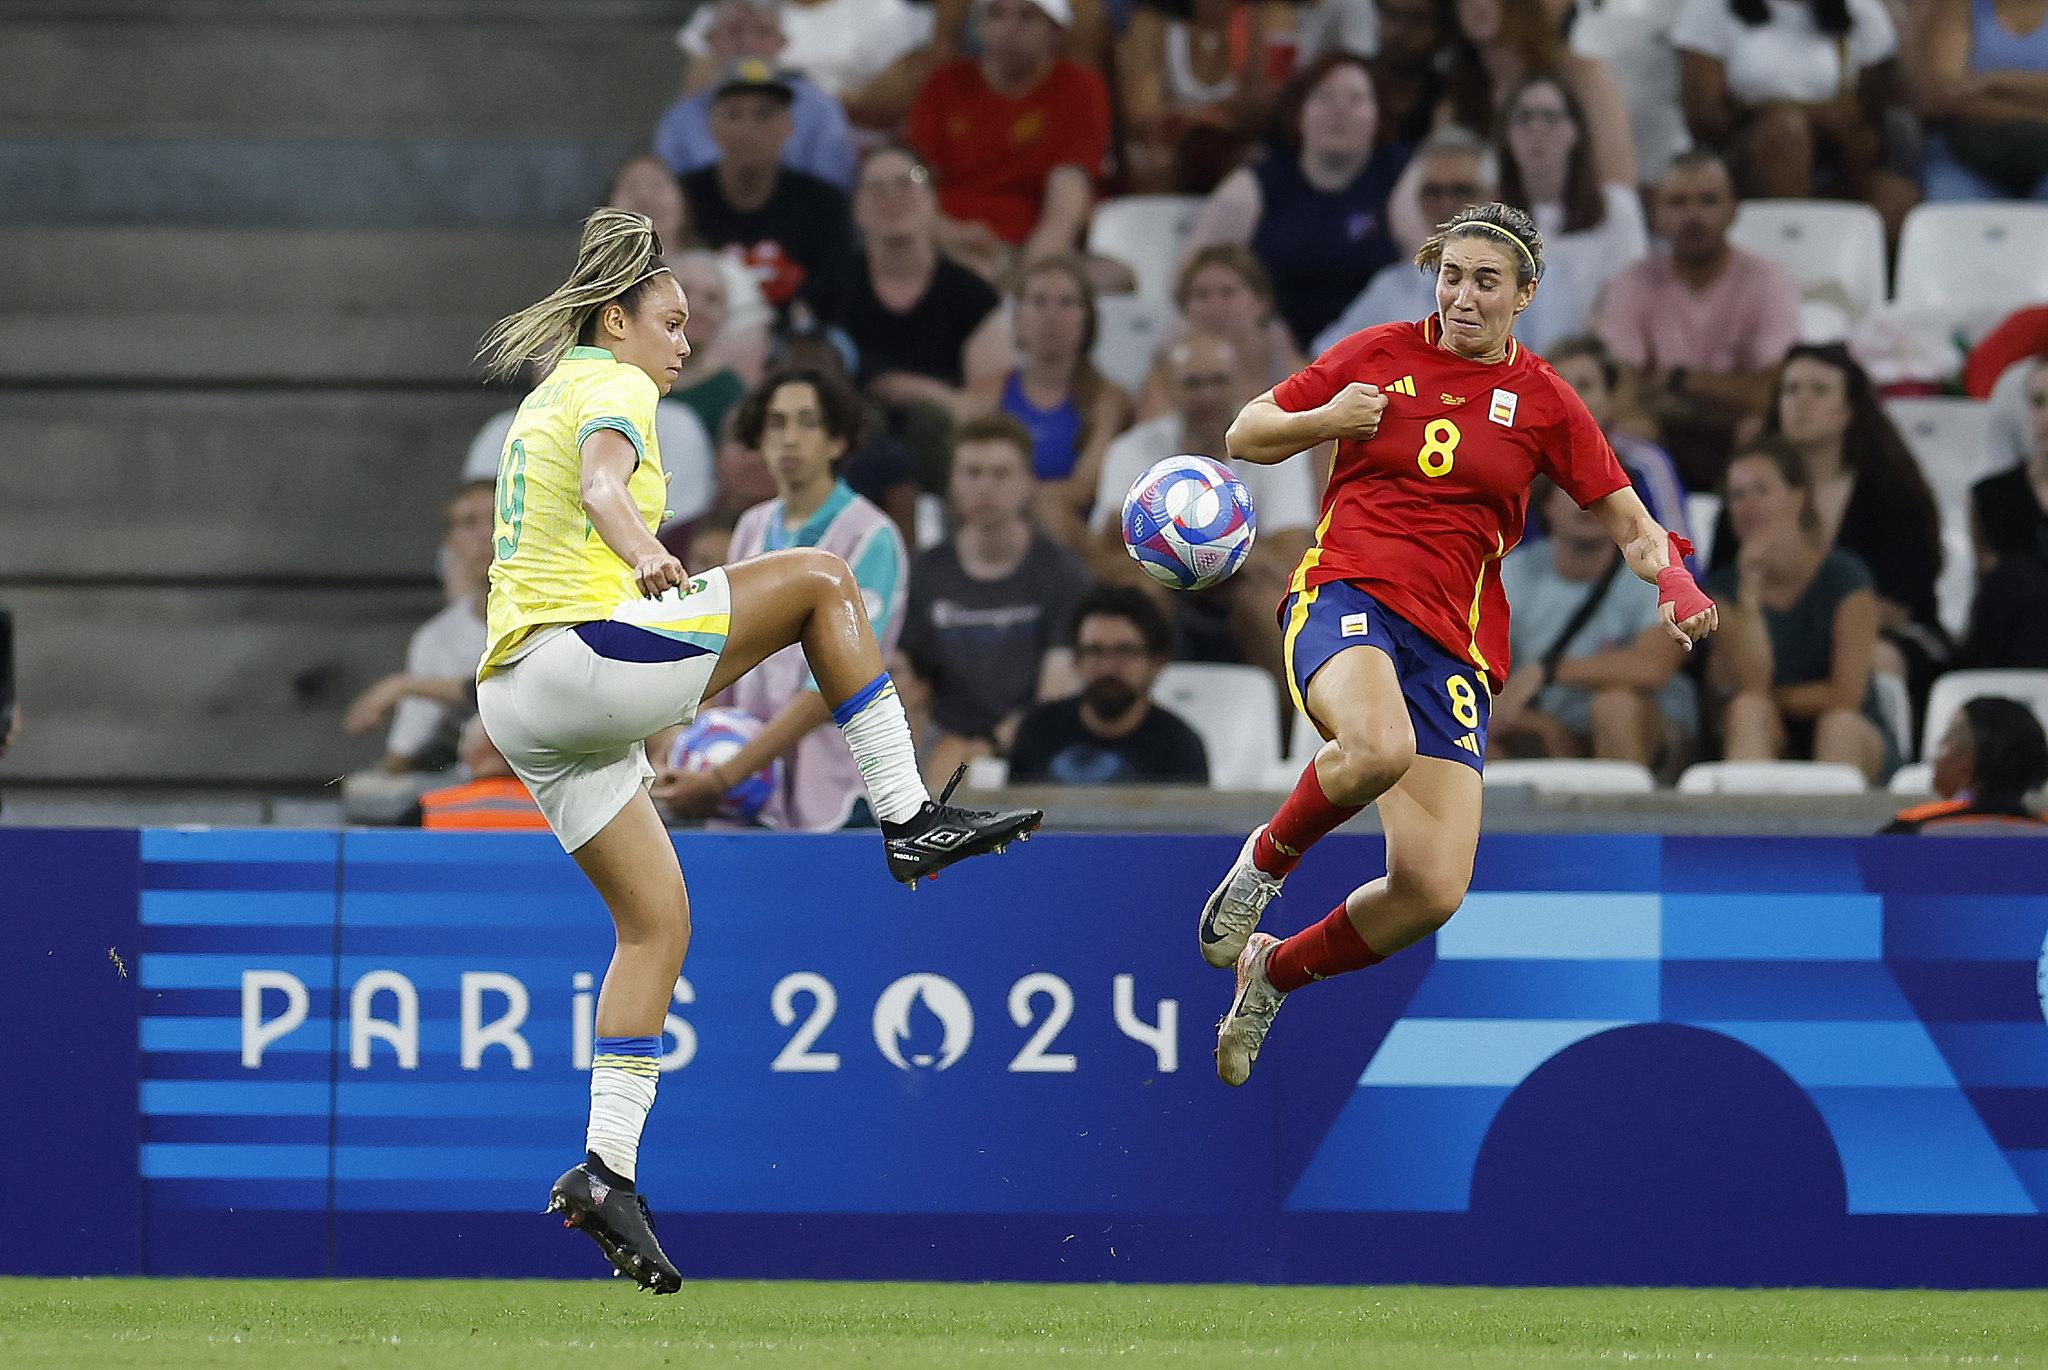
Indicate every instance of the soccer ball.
{"type": "Point", "coordinates": [715, 737]}
{"type": "Point", "coordinates": [1188, 522]}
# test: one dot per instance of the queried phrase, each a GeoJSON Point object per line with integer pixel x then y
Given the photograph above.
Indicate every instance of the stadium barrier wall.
{"type": "Point", "coordinates": [1627, 1060]}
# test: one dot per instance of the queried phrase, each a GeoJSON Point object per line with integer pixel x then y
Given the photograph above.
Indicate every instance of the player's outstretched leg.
{"type": "Point", "coordinates": [1432, 825]}
{"type": "Point", "coordinates": [633, 866]}
{"type": "Point", "coordinates": [1357, 697]}
{"type": "Point", "coordinates": [810, 597]}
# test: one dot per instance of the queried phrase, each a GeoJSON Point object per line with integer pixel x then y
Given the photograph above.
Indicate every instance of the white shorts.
{"type": "Point", "coordinates": [573, 711]}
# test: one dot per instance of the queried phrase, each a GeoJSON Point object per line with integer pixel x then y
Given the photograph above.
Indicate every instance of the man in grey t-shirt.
{"type": "Point", "coordinates": [1610, 689]}
{"type": "Point", "coordinates": [991, 606]}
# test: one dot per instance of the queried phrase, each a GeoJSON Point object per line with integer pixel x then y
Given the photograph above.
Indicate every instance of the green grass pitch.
{"type": "Point", "coordinates": [479, 1325]}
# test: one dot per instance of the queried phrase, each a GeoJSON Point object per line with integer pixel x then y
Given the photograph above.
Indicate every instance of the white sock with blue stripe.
{"type": "Point", "coordinates": [878, 732]}
{"type": "Point", "coordinates": [623, 1072]}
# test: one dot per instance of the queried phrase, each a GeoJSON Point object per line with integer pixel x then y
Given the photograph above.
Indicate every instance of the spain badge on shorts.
{"type": "Point", "coordinates": [1503, 409]}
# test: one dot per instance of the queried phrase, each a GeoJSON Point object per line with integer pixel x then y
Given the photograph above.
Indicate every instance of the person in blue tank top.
{"type": "Point", "coordinates": [1070, 409]}
{"type": "Point", "coordinates": [1316, 214]}
{"type": "Point", "coordinates": [1983, 82]}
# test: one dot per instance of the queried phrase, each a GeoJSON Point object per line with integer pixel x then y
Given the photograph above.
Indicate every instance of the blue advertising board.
{"type": "Point", "coordinates": [1627, 1059]}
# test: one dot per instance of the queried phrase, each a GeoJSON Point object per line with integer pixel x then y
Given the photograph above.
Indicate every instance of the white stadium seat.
{"type": "Point", "coordinates": [1146, 233]}
{"type": "Point", "coordinates": [1127, 331]}
{"type": "Point", "coordinates": [1771, 777]}
{"type": "Point", "coordinates": [1947, 439]}
{"type": "Point", "coordinates": [1572, 775]}
{"type": "Point", "coordinates": [1957, 688]}
{"type": "Point", "coordinates": [1236, 709]}
{"type": "Point", "coordinates": [1989, 256]}
{"type": "Point", "coordinates": [1896, 705]}
{"type": "Point", "coordinates": [1835, 249]}
{"type": "Point", "coordinates": [1916, 778]}
{"type": "Point", "coordinates": [1702, 511]}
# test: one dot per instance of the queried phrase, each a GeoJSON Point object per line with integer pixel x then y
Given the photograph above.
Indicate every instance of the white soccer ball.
{"type": "Point", "coordinates": [1189, 522]}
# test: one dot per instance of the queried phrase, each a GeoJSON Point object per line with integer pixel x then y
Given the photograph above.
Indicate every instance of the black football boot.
{"type": "Point", "coordinates": [617, 1218]}
{"type": "Point", "coordinates": [940, 835]}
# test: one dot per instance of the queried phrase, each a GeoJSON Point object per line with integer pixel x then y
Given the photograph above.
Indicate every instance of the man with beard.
{"type": "Point", "coordinates": [1704, 322]}
{"type": "Point", "coordinates": [1111, 733]}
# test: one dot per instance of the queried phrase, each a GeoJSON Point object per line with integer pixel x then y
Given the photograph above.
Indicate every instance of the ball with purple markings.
{"type": "Point", "coordinates": [1188, 522]}
{"type": "Point", "coordinates": [715, 738]}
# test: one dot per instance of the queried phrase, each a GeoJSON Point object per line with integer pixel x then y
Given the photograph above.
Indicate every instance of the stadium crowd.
{"type": "Point", "coordinates": [908, 350]}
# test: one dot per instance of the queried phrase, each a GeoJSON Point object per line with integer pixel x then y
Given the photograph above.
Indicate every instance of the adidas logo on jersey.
{"type": "Point", "coordinates": [1404, 386]}
{"type": "Point", "coordinates": [1470, 742]}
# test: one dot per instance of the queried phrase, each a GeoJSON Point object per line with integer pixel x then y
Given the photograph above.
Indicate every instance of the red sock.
{"type": "Point", "coordinates": [1305, 818]}
{"type": "Point", "coordinates": [1328, 948]}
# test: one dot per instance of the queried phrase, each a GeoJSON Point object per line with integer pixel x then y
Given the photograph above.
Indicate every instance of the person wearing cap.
{"type": "Point", "coordinates": [1015, 138]}
{"type": "Point", "coordinates": [868, 55]}
{"type": "Point", "coordinates": [820, 140]}
{"type": "Point", "coordinates": [791, 228]}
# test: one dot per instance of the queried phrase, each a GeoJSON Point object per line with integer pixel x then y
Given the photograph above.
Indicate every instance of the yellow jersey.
{"type": "Point", "coordinates": [548, 564]}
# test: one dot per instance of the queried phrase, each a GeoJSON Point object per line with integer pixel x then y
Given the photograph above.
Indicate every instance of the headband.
{"type": "Point", "coordinates": [1511, 236]}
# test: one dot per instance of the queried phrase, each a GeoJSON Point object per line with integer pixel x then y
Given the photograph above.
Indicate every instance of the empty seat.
{"type": "Point", "coordinates": [1127, 331]}
{"type": "Point", "coordinates": [1771, 777]}
{"type": "Point", "coordinates": [1896, 707]}
{"type": "Point", "coordinates": [1702, 511]}
{"type": "Point", "coordinates": [1946, 436]}
{"type": "Point", "coordinates": [1145, 233]}
{"type": "Point", "coordinates": [1572, 775]}
{"type": "Point", "coordinates": [1835, 249]}
{"type": "Point", "coordinates": [1972, 257]}
{"type": "Point", "coordinates": [1957, 688]}
{"type": "Point", "coordinates": [1915, 779]}
{"type": "Point", "coordinates": [1235, 709]}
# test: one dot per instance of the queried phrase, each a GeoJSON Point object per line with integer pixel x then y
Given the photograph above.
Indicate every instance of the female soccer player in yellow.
{"type": "Point", "coordinates": [599, 639]}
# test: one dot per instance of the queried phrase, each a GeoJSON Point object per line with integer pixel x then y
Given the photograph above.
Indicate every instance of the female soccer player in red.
{"type": "Point", "coordinates": [1440, 428]}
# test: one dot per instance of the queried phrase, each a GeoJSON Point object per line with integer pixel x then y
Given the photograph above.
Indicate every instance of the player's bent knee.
{"type": "Point", "coordinates": [1430, 896]}
{"type": "Point", "coordinates": [1363, 768]}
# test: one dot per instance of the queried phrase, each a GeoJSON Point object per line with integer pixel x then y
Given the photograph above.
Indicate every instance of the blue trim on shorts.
{"type": "Point", "coordinates": [1448, 701]}
{"type": "Point", "coordinates": [867, 694]}
{"type": "Point", "coordinates": [626, 642]}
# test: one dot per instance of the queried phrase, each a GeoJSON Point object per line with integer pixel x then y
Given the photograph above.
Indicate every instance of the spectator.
{"type": "Point", "coordinates": [492, 799]}
{"type": "Point", "coordinates": [1982, 78]}
{"type": "Point", "coordinates": [991, 607]}
{"type": "Point", "coordinates": [1111, 733]}
{"type": "Point", "coordinates": [1595, 669]}
{"type": "Point", "coordinates": [1992, 757]}
{"type": "Point", "coordinates": [820, 140]}
{"type": "Point", "coordinates": [645, 186]}
{"type": "Point", "coordinates": [1798, 626]}
{"type": "Point", "coordinates": [804, 423]}
{"type": "Point", "coordinates": [713, 380]}
{"type": "Point", "coordinates": [1192, 81]}
{"type": "Point", "coordinates": [2008, 429]}
{"type": "Point", "coordinates": [436, 691]}
{"type": "Point", "coordinates": [1088, 38]}
{"type": "Point", "coordinates": [1407, 71]}
{"type": "Point", "coordinates": [1016, 138]}
{"type": "Point", "coordinates": [790, 228]}
{"type": "Point", "coordinates": [1070, 410]}
{"type": "Point", "coordinates": [2009, 525]}
{"type": "Point", "coordinates": [1225, 290]}
{"type": "Point", "coordinates": [1632, 38]}
{"type": "Point", "coordinates": [1591, 231]}
{"type": "Point", "coordinates": [1587, 368]}
{"type": "Point", "coordinates": [1997, 371]}
{"type": "Point", "coordinates": [925, 327]}
{"type": "Point", "coordinates": [1500, 44]}
{"type": "Point", "coordinates": [1452, 169]}
{"type": "Point", "coordinates": [1792, 89]}
{"type": "Point", "coordinates": [882, 468]}
{"type": "Point", "coordinates": [1703, 323]}
{"type": "Point", "coordinates": [1870, 497]}
{"type": "Point", "coordinates": [1233, 621]}
{"type": "Point", "coordinates": [1316, 214]}
{"type": "Point", "coordinates": [863, 53]}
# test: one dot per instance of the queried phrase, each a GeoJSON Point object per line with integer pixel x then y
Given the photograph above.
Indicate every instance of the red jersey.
{"type": "Point", "coordinates": [992, 154]}
{"type": "Point", "coordinates": [1420, 514]}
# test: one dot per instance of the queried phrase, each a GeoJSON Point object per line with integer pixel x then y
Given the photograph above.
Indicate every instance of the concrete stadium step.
{"type": "Point", "coordinates": [184, 304]}
{"type": "Point", "coordinates": [509, 70]}
{"type": "Point", "coordinates": [170, 483]}
{"type": "Point", "coordinates": [201, 685]}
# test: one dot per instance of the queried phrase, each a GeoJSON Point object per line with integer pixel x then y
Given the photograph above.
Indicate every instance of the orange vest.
{"type": "Point", "coordinates": [499, 801]}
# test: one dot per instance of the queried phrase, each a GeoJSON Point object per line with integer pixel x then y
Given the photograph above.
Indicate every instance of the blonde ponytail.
{"type": "Point", "coordinates": [620, 253]}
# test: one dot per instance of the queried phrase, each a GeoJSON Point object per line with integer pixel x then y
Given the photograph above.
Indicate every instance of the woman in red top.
{"type": "Point", "coordinates": [1440, 428]}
